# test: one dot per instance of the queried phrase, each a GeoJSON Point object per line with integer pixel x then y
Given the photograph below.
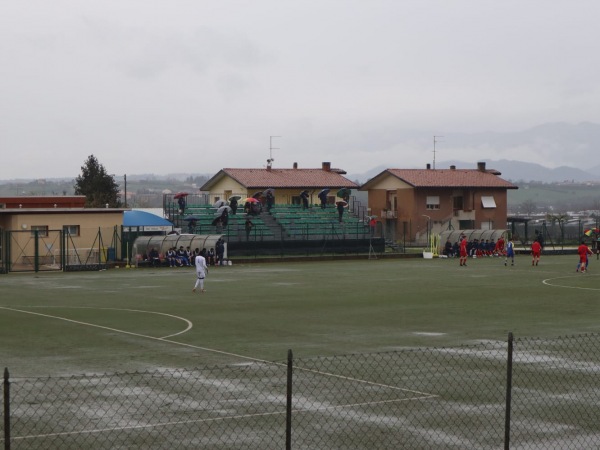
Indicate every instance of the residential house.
{"type": "Point", "coordinates": [413, 203]}
{"type": "Point", "coordinates": [287, 183]}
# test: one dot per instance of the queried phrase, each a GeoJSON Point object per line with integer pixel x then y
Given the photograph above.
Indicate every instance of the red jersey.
{"type": "Point", "coordinates": [536, 248]}
{"type": "Point", "coordinates": [500, 244]}
{"type": "Point", "coordinates": [583, 250]}
{"type": "Point", "coordinates": [463, 247]}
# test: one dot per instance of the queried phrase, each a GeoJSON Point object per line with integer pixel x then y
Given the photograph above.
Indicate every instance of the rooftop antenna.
{"type": "Point", "coordinates": [271, 148]}
{"type": "Point", "coordinates": [434, 142]}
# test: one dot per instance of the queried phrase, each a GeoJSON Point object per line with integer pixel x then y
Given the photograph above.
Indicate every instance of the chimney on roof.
{"type": "Point", "coordinates": [481, 166]}
{"type": "Point", "coordinates": [326, 166]}
{"type": "Point", "coordinates": [428, 166]}
{"type": "Point", "coordinates": [452, 167]}
{"type": "Point", "coordinates": [295, 165]}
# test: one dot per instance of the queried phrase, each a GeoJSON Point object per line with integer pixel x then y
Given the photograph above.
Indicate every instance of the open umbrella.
{"type": "Point", "coordinates": [188, 218]}
{"type": "Point", "coordinates": [271, 190]}
{"type": "Point", "coordinates": [257, 195]}
{"type": "Point", "coordinates": [220, 203]}
{"type": "Point", "coordinates": [251, 200]}
{"type": "Point", "coordinates": [588, 232]}
{"type": "Point", "coordinates": [235, 198]}
{"type": "Point", "coordinates": [222, 209]}
{"type": "Point", "coordinates": [324, 191]}
{"type": "Point", "coordinates": [342, 202]}
{"type": "Point", "coordinates": [343, 193]}
{"type": "Point", "coordinates": [180, 195]}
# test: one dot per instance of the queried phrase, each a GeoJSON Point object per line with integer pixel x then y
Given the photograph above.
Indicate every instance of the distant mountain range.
{"type": "Point", "coordinates": [514, 171]}
{"type": "Point", "coordinates": [572, 146]}
{"type": "Point", "coordinates": [523, 171]}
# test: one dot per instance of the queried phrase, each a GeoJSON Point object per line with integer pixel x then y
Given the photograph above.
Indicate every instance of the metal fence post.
{"type": "Point", "coordinates": [288, 412]}
{"type": "Point", "coordinates": [6, 410]}
{"type": "Point", "coordinates": [509, 366]}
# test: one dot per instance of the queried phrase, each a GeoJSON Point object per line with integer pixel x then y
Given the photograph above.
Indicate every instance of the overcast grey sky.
{"type": "Point", "coordinates": [152, 86]}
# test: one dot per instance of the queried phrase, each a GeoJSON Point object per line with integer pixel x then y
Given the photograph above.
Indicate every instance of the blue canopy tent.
{"type": "Point", "coordinates": [140, 221]}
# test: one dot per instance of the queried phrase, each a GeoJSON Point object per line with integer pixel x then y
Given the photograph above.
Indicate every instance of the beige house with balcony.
{"type": "Point", "coordinates": [287, 183]}
{"type": "Point", "coordinates": [412, 203]}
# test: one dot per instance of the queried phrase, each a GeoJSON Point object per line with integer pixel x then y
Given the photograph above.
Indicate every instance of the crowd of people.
{"type": "Point", "coordinates": [185, 257]}
{"type": "Point", "coordinates": [475, 248]}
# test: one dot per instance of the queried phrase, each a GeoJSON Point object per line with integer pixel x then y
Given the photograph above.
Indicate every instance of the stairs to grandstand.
{"type": "Point", "coordinates": [283, 222]}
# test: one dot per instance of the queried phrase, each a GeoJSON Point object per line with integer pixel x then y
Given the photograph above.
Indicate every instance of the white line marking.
{"type": "Point", "coordinates": [547, 283]}
{"type": "Point", "coordinates": [342, 377]}
{"type": "Point", "coordinates": [188, 328]}
{"type": "Point", "coordinates": [214, 419]}
{"type": "Point", "coordinates": [131, 333]}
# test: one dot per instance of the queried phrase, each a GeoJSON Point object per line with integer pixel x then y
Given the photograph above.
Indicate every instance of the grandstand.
{"type": "Point", "coordinates": [285, 228]}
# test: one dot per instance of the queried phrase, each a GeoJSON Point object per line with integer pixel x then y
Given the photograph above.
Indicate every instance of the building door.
{"type": "Point", "coordinates": [391, 201]}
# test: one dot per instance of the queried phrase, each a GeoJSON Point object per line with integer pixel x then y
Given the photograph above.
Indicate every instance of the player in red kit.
{"type": "Point", "coordinates": [583, 251]}
{"type": "Point", "coordinates": [463, 251]}
{"type": "Point", "coordinates": [536, 251]}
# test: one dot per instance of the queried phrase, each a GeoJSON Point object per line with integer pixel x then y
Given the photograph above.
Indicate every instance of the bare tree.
{"type": "Point", "coordinates": [528, 207]}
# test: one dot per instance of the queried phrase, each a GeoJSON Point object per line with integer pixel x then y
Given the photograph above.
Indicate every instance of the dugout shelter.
{"type": "Point", "coordinates": [454, 235]}
{"type": "Point", "coordinates": [143, 244]}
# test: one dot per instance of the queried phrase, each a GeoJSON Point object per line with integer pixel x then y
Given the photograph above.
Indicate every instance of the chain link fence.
{"type": "Point", "coordinates": [527, 394]}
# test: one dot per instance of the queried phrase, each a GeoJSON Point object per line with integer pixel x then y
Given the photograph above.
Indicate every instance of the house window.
{"type": "Point", "coordinates": [71, 230]}
{"type": "Point", "coordinates": [488, 202]}
{"type": "Point", "coordinates": [457, 203]}
{"type": "Point", "coordinates": [433, 202]}
{"type": "Point", "coordinates": [42, 230]}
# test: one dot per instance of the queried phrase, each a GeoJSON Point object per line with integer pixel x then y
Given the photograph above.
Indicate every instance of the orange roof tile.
{"type": "Point", "coordinates": [452, 178]}
{"type": "Point", "coordinates": [283, 178]}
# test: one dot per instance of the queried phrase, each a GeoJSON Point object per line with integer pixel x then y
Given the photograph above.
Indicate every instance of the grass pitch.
{"type": "Point", "coordinates": [142, 319]}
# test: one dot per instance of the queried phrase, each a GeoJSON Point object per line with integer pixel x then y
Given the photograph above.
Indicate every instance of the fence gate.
{"type": "Point", "coordinates": [33, 250]}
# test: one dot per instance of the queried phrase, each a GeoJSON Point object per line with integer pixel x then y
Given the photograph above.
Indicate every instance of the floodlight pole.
{"type": "Point", "coordinates": [125, 179]}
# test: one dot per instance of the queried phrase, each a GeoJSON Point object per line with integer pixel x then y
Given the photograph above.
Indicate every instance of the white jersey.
{"type": "Point", "coordinates": [201, 268]}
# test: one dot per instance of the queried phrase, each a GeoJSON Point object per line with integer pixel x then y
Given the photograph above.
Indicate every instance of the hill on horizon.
{"type": "Point", "coordinates": [513, 171]}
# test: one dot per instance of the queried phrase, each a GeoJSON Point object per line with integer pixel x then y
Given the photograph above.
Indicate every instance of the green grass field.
{"type": "Point", "coordinates": [412, 355]}
{"type": "Point", "coordinates": [141, 319]}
